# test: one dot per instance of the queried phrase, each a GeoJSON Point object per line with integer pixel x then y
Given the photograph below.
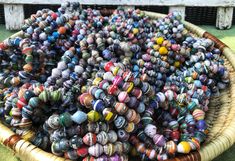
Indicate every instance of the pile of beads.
{"type": "Point", "coordinates": [82, 85]}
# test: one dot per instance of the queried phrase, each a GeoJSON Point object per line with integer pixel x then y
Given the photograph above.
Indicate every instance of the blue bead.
{"type": "Point", "coordinates": [98, 105]}
{"type": "Point", "coordinates": [55, 34]}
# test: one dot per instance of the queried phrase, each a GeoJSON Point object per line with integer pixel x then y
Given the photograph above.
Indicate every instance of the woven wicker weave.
{"type": "Point", "coordinates": [220, 117]}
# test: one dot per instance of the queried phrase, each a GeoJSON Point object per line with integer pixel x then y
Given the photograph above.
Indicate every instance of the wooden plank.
{"type": "Point", "coordinates": [180, 9]}
{"type": "Point", "coordinates": [224, 17]}
{"type": "Point", "coordinates": [14, 16]}
{"type": "Point", "coordinates": [207, 3]}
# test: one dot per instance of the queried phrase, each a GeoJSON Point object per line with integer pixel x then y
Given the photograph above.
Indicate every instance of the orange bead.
{"type": "Point", "coordinates": [62, 30]}
{"type": "Point", "coordinates": [28, 67]}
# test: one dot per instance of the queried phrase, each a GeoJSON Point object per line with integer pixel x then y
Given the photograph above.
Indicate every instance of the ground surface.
{"type": "Point", "coordinates": [227, 36]}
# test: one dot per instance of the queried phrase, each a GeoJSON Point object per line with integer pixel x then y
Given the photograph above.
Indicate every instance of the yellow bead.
{"type": "Point", "coordinates": [83, 89]}
{"type": "Point", "coordinates": [184, 147]}
{"type": "Point", "coordinates": [163, 50]}
{"type": "Point", "coordinates": [156, 47]}
{"type": "Point", "coordinates": [130, 87]}
{"type": "Point", "coordinates": [93, 116]}
{"type": "Point", "coordinates": [159, 40]}
{"type": "Point", "coordinates": [96, 81]}
{"type": "Point", "coordinates": [135, 31]}
{"type": "Point", "coordinates": [177, 64]}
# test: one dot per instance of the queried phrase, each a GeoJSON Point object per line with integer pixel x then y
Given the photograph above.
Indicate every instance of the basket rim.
{"type": "Point", "coordinates": [201, 155]}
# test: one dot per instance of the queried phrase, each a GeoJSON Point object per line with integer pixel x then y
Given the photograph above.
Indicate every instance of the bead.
{"type": "Point", "coordinates": [159, 140]}
{"type": "Point", "coordinates": [89, 139]}
{"type": "Point", "coordinates": [96, 150]}
{"type": "Point", "coordinates": [65, 119]}
{"type": "Point", "coordinates": [150, 130]}
{"type": "Point", "coordinates": [183, 147]}
{"type": "Point", "coordinates": [79, 117]}
{"type": "Point", "coordinates": [93, 116]}
{"type": "Point", "coordinates": [198, 114]}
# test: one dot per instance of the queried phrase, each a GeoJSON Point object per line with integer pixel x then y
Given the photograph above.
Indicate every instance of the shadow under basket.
{"type": "Point", "coordinates": [220, 117]}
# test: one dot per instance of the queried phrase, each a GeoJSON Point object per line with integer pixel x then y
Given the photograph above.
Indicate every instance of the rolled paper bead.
{"type": "Point", "coordinates": [112, 135]}
{"type": "Point", "coordinates": [21, 103]}
{"type": "Point", "coordinates": [108, 66]}
{"type": "Point", "coordinates": [151, 153]}
{"type": "Point", "coordinates": [200, 136]}
{"type": "Point", "coordinates": [113, 90]}
{"type": "Point", "coordinates": [189, 119]}
{"type": "Point", "coordinates": [28, 67]}
{"type": "Point", "coordinates": [161, 157]}
{"type": "Point", "coordinates": [163, 50]}
{"type": "Point", "coordinates": [183, 147]}
{"type": "Point", "coordinates": [194, 144]}
{"type": "Point", "coordinates": [198, 114]}
{"type": "Point", "coordinates": [175, 135]}
{"type": "Point", "coordinates": [76, 142]}
{"type": "Point", "coordinates": [53, 121]}
{"type": "Point", "coordinates": [174, 125]}
{"type": "Point", "coordinates": [159, 140]}
{"type": "Point", "coordinates": [96, 150]}
{"type": "Point", "coordinates": [133, 102]}
{"type": "Point", "coordinates": [56, 73]}
{"type": "Point", "coordinates": [27, 111]}
{"type": "Point", "coordinates": [121, 108]}
{"type": "Point", "coordinates": [65, 119]}
{"type": "Point", "coordinates": [130, 127]}
{"type": "Point", "coordinates": [146, 119]}
{"type": "Point", "coordinates": [98, 105]}
{"type": "Point", "coordinates": [141, 107]}
{"type": "Point", "coordinates": [201, 125]}
{"type": "Point", "coordinates": [93, 127]}
{"type": "Point", "coordinates": [140, 147]}
{"type": "Point", "coordinates": [55, 148]}
{"type": "Point", "coordinates": [86, 99]}
{"type": "Point", "coordinates": [191, 106]}
{"type": "Point", "coordinates": [28, 94]}
{"type": "Point", "coordinates": [123, 135]}
{"type": "Point", "coordinates": [109, 114]}
{"type": "Point", "coordinates": [89, 139]}
{"type": "Point", "coordinates": [109, 149]}
{"type": "Point", "coordinates": [120, 122]}
{"type": "Point", "coordinates": [89, 158]}
{"type": "Point", "coordinates": [171, 147]}
{"type": "Point", "coordinates": [150, 130]}
{"type": "Point", "coordinates": [64, 145]}
{"type": "Point", "coordinates": [44, 96]}
{"type": "Point", "coordinates": [79, 117]}
{"type": "Point", "coordinates": [93, 116]}
{"type": "Point", "coordinates": [82, 151]}
{"type": "Point", "coordinates": [71, 154]}
{"type": "Point", "coordinates": [131, 115]}
{"type": "Point", "coordinates": [119, 148]}
{"type": "Point", "coordinates": [78, 69]}
{"type": "Point", "coordinates": [117, 80]}
{"type": "Point", "coordinates": [15, 81]}
{"type": "Point", "coordinates": [102, 137]}
{"type": "Point", "coordinates": [123, 97]}
{"type": "Point", "coordinates": [161, 97]}
{"type": "Point", "coordinates": [62, 30]}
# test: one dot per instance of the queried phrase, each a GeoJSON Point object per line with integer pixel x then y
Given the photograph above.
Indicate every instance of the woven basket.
{"type": "Point", "coordinates": [220, 116]}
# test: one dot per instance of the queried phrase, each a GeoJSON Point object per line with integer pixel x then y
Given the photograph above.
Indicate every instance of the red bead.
{"type": "Point", "coordinates": [108, 65]}
{"type": "Point", "coordinates": [21, 103]}
{"type": "Point", "coordinates": [83, 151]}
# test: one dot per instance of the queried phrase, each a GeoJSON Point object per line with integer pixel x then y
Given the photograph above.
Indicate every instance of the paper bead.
{"type": "Point", "coordinates": [159, 140]}
{"type": "Point", "coordinates": [79, 117]}
{"type": "Point", "coordinates": [150, 130]}
{"type": "Point", "coordinates": [96, 150]}
{"type": "Point", "coordinates": [198, 114]}
{"type": "Point", "coordinates": [89, 139]}
{"type": "Point", "coordinates": [183, 147]}
{"type": "Point", "coordinates": [93, 116]}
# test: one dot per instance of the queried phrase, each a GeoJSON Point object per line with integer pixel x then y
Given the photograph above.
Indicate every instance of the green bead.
{"type": "Point", "coordinates": [44, 96]}
{"type": "Point", "coordinates": [29, 59]}
{"type": "Point", "coordinates": [93, 116]}
{"type": "Point", "coordinates": [56, 96]}
{"type": "Point", "coordinates": [65, 119]}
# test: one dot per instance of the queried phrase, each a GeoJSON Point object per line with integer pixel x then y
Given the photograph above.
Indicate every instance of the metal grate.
{"type": "Point", "coordinates": [201, 15]}
{"type": "Point", "coordinates": [31, 9]}
{"type": "Point", "coordinates": [2, 17]}
{"type": "Point", "coordinates": [159, 9]}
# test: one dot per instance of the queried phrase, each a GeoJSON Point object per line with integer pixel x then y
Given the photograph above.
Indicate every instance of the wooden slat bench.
{"type": "Point", "coordinates": [14, 10]}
